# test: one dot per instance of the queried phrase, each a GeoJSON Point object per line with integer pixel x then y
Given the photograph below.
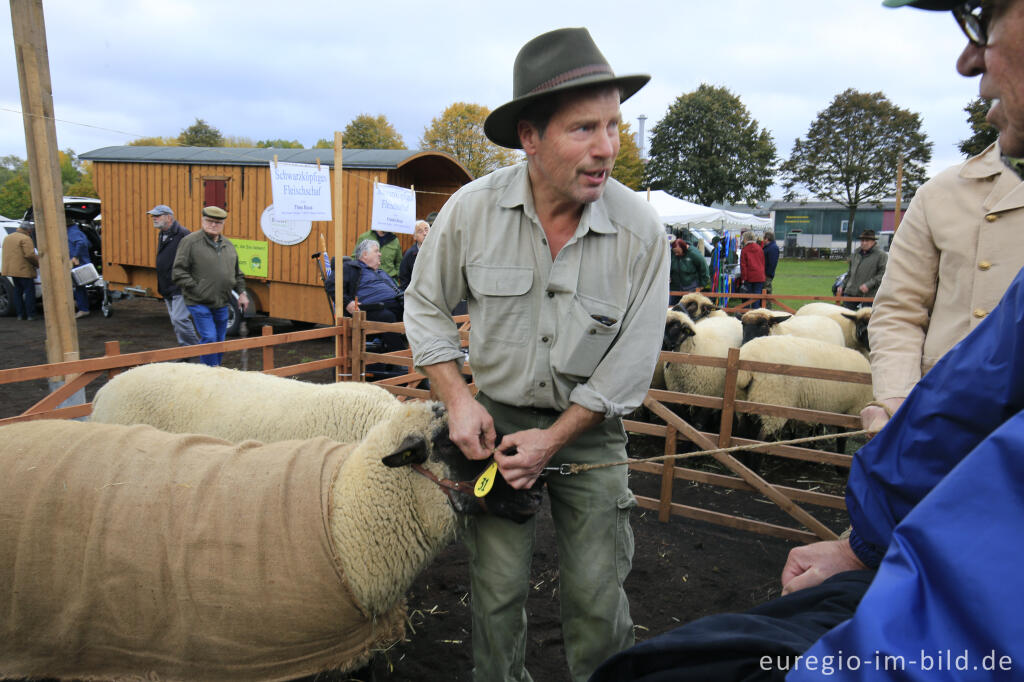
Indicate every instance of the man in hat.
{"type": "Point", "coordinates": [867, 265]}
{"type": "Point", "coordinates": [206, 269]}
{"type": "Point", "coordinates": [959, 244]}
{"type": "Point", "coordinates": [927, 585]}
{"type": "Point", "coordinates": [171, 234]}
{"type": "Point", "coordinates": [566, 274]}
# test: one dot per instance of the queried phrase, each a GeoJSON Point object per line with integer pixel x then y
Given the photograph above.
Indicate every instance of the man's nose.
{"type": "Point", "coordinates": [971, 61]}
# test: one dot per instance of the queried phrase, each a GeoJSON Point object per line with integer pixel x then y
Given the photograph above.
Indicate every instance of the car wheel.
{"type": "Point", "coordinates": [6, 298]}
{"type": "Point", "coordinates": [234, 318]}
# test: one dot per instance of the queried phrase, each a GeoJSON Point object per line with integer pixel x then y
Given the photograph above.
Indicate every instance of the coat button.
{"type": "Point", "coordinates": [544, 339]}
{"type": "Point", "coordinates": [593, 331]}
{"type": "Point", "coordinates": [543, 384]}
{"type": "Point", "coordinates": [984, 265]}
{"type": "Point", "coordinates": [551, 294]}
{"type": "Point", "coordinates": [992, 217]}
{"type": "Point", "coordinates": [979, 313]}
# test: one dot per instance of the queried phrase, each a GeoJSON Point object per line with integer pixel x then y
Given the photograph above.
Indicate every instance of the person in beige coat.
{"type": "Point", "coordinates": [19, 263]}
{"type": "Point", "coordinates": [958, 248]}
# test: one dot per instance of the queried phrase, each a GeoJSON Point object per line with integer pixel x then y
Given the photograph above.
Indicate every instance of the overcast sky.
{"type": "Point", "coordinates": [301, 69]}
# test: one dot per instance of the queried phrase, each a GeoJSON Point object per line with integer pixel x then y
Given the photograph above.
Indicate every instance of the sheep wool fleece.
{"type": "Point", "coordinates": [126, 552]}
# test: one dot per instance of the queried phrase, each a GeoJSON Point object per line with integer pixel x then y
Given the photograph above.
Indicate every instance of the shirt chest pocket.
{"type": "Point", "coordinates": [502, 312]}
{"type": "Point", "coordinates": [584, 336]}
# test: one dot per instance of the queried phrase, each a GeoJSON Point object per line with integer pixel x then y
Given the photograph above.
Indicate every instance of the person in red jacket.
{"type": "Point", "coordinates": [751, 267]}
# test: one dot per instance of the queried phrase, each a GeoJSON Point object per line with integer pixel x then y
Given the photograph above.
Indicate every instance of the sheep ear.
{"type": "Point", "coordinates": [850, 316]}
{"type": "Point", "coordinates": [775, 319]}
{"type": "Point", "coordinates": [413, 450]}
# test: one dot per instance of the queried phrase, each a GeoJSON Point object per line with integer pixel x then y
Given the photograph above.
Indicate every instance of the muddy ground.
{"type": "Point", "coordinates": [682, 570]}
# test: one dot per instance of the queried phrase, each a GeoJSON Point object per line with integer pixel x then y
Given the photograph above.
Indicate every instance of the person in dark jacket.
{"type": "Point", "coordinates": [206, 268]}
{"type": "Point", "coordinates": [771, 260]}
{"type": "Point", "coordinates": [688, 270]}
{"type": "Point", "coordinates": [78, 252]}
{"type": "Point", "coordinates": [752, 267]}
{"type": "Point", "coordinates": [171, 233]}
{"type": "Point", "coordinates": [409, 259]}
{"type": "Point", "coordinates": [390, 250]}
{"type": "Point", "coordinates": [867, 265]}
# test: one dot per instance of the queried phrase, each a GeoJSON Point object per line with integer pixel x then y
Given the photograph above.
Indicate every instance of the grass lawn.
{"type": "Point", "coordinates": [806, 278]}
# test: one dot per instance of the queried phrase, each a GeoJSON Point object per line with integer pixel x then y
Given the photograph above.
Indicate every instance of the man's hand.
{"type": "Point", "coordinates": [522, 456]}
{"type": "Point", "coordinates": [873, 417]}
{"type": "Point", "coordinates": [243, 301]}
{"type": "Point", "coordinates": [352, 307]}
{"type": "Point", "coordinates": [863, 288]}
{"type": "Point", "coordinates": [811, 565]}
{"type": "Point", "coordinates": [471, 428]}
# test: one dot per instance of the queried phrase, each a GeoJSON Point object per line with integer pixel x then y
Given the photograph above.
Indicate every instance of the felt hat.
{"type": "Point", "coordinates": [554, 62]}
{"type": "Point", "coordinates": [215, 213]}
{"type": "Point", "coordinates": [938, 5]}
{"type": "Point", "coordinates": [868, 234]}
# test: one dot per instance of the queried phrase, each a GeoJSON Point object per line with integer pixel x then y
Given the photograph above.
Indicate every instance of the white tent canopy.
{"type": "Point", "coordinates": [675, 211]}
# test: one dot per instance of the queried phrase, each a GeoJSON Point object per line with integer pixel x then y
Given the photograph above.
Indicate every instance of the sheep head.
{"type": "Point", "coordinates": [502, 500]}
{"type": "Point", "coordinates": [678, 328]}
{"type": "Point", "coordinates": [860, 318]}
{"type": "Point", "coordinates": [757, 323]}
{"type": "Point", "coordinates": [697, 306]}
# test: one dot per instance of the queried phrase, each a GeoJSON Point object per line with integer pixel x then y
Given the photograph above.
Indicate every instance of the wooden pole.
{"type": "Point", "coordinates": [899, 193]}
{"type": "Point", "coordinates": [44, 174]}
{"type": "Point", "coordinates": [338, 205]}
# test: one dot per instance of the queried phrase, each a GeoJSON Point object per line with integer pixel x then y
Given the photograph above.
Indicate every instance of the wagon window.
{"type": "Point", "coordinates": [215, 193]}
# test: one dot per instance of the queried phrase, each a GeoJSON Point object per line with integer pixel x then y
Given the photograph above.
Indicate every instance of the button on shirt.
{"type": "Point", "coordinates": [582, 328]}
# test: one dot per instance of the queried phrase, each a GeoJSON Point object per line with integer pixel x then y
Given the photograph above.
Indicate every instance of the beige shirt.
{"type": "Point", "coordinates": [958, 248]}
{"type": "Point", "coordinates": [583, 328]}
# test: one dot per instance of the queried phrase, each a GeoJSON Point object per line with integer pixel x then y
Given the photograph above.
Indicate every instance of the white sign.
{"type": "Point", "coordinates": [394, 209]}
{"type": "Point", "coordinates": [301, 191]}
{"type": "Point", "coordinates": [285, 232]}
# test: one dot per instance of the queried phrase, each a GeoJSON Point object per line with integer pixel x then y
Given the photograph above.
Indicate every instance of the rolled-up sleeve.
{"type": "Point", "coordinates": [620, 381]}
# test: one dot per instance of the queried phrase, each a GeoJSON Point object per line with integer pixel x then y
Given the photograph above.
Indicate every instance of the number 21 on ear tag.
{"type": "Point", "coordinates": [486, 480]}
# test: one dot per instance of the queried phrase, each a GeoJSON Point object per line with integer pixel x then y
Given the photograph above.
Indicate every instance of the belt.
{"type": "Point", "coordinates": [535, 411]}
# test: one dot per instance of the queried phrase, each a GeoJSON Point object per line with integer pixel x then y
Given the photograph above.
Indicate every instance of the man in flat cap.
{"type": "Point", "coordinates": [927, 584]}
{"type": "Point", "coordinates": [171, 234]}
{"type": "Point", "coordinates": [206, 269]}
{"type": "Point", "coordinates": [566, 275]}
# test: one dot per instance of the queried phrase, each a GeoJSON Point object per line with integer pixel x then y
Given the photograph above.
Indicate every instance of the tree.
{"type": "Point", "coordinates": [83, 186]}
{"type": "Point", "coordinates": [629, 169]}
{"type": "Point", "coordinates": [371, 132]}
{"type": "Point", "coordinates": [324, 143]}
{"type": "Point", "coordinates": [201, 134]}
{"type": "Point", "coordinates": [984, 133]}
{"type": "Point", "coordinates": [280, 144]}
{"type": "Point", "coordinates": [15, 195]}
{"type": "Point", "coordinates": [155, 141]}
{"type": "Point", "coordinates": [852, 151]}
{"type": "Point", "coordinates": [708, 149]}
{"type": "Point", "coordinates": [459, 131]}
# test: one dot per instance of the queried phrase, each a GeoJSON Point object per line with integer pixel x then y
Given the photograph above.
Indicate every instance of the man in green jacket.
{"type": "Point", "coordinates": [390, 250]}
{"type": "Point", "coordinates": [688, 271]}
{"type": "Point", "coordinates": [866, 269]}
{"type": "Point", "coordinates": [206, 269]}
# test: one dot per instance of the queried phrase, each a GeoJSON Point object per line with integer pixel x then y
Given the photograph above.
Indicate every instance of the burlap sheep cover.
{"type": "Point", "coordinates": [126, 552]}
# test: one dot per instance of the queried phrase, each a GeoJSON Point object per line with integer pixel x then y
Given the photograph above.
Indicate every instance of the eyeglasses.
{"type": "Point", "coordinates": [973, 17]}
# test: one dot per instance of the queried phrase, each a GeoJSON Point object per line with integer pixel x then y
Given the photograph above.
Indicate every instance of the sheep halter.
{"type": "Point", "coordinates": [448, 486]}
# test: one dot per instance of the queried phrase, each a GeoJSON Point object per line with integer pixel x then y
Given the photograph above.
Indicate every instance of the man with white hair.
{"type": "Point", "coordinates": [420, 231]}
{"type": "Point", "coordinates": [171, 234]}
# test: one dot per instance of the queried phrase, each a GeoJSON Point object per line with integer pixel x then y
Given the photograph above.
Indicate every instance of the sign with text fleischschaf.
{"type": "Point", "coordinates": [252, 256]}
{"type": "Point", "coordinates": [301, 191]}
{"type": "Point", "coordinates": [394, 209]}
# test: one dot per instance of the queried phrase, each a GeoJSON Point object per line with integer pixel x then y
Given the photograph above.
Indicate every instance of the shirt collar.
{"type": "Point", "coordinates": [518, 193]}
{"type": "Point", "coordinates": [990, 162]}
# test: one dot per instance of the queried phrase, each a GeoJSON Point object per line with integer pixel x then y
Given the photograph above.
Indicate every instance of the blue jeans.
{"type": "Point", "coordinates": [212, 326]}
{"type": "Point", "coordinates": [24, 297]}
{"type": "Point", "coordinates": [752, 288]}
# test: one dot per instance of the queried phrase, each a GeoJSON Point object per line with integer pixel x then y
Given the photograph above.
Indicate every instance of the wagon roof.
{"type": "Point", "coordinates": [249, 156]}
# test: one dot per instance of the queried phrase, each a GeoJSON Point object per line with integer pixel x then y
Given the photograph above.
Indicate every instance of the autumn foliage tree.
{"type": "Point", "coordinates": [629, 168]}
{"type": "Point", "coordinates": [371, 132]}
{"type": "Point", "coordinates": [201, 134]}
{"type": "Point", "coordinates": [852, 150]}
{"type": "Point", "coordinates": [983, 132]}
{"type": "Point", "coordinates": [459, 131]}
{"type": "Point", "coordinates": [709, 149]}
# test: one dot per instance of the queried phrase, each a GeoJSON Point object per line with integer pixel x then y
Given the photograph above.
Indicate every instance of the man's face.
{"type": "Point", "coordinates": [572, 162]}
{"type": "Point", "coordinates": [371, 257]}
{"type": "Point", "coordinates": [422, 229]}
{"type": "Point", "coordinates": [866, 244]}
{"type": "Point", "coordinates": [162, 222]}
{"type": "Point", "coordinates": [1001, 67]}
{"type": "Point", "coordinates": [213, 227]}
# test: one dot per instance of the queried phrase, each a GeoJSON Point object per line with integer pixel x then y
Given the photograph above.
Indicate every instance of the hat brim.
{"type": "Point", "coordinates": [500, 125]}
{"type": "Point", "coordinates": [934, 5]}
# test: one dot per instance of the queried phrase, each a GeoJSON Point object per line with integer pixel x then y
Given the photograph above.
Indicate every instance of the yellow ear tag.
{"type": "Point", "coordinates": [486, 480]}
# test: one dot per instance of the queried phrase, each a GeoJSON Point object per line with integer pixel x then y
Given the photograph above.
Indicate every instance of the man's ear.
{"type": "Point", "coordinates": [527, 136]}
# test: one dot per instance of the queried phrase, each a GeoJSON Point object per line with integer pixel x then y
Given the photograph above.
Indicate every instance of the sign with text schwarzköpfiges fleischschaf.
{"type": "Point", "coordinates": [301, 191]}
{"type": "Point", "coordinates": [394, 209]}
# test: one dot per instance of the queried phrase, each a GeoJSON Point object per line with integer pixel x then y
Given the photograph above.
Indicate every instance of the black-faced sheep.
{"type": "Point", "coordinates": [853, 323]}
{"type": "Point", "coordinates": [128, 552]}
{"type": "Point", "coordinates": [761, 322]}
{"type": "Point", "coordinates": [236, 406]}
{"type": "Point", "coordinates": [803, 392]}
{"type": "Point", "coordinates": [698, 306]}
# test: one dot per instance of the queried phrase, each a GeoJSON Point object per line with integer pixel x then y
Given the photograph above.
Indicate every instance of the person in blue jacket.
{"type": "Point", "coordinates": [929, 584]}
{"type": "Point", "coordinates": [78, 253]}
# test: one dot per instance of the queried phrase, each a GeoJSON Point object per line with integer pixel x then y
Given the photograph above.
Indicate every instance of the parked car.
{"type": "Point", "coordinates": [86, 212]}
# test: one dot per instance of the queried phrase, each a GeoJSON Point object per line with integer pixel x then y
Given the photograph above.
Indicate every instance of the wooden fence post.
{"type": "Point", "coordinates": [667, 476]}
{"type": "Point", "coordinates": [358, 347]}
{"type": "Point", "coordinates": [729, 398]}
{"type": "Point", "coordinates": [112, 348]}
{"type": "Point", "coordinates": [268, 351]}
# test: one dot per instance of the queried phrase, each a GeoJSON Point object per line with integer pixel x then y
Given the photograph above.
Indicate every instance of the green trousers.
{"type": "Point", "coordinates": [590, 511]}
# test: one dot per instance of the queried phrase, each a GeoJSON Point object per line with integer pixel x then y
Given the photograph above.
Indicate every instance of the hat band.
{"type": "Point", "coordinates": [572, 75]}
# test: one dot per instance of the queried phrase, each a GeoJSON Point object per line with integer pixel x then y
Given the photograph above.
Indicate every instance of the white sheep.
{"type": "Point", "coordinates": [712, 336]}
{"type": "Point", "coordinates": [234, 405]}
{"type": "Point", "coordinates": [802, 392]}
{"type": "Point", "coordinates": [853, 323]}
{"type": "Point", "coordinates": [762, 322]}
{"type": "Point", "coordinates": [128, 552]}
{"type": "Point", "coordinates": [697, 306]}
